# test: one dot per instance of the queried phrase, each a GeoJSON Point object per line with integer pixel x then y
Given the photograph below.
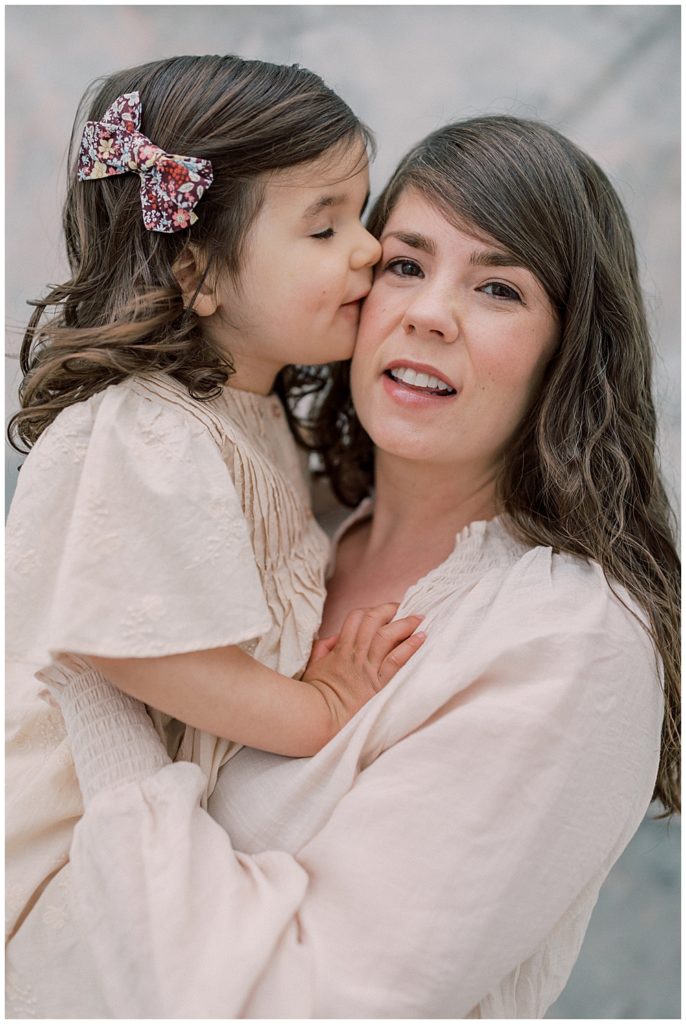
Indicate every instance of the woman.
{"type": "Point", "coordinates": [441, 857]}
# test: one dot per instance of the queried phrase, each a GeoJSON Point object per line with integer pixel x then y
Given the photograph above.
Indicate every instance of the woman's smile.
{"type": "Point", "coordinates": [417, 384]}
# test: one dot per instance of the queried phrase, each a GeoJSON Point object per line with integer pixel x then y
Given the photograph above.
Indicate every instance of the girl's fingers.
{"type": "Point", "coordinates": [399, 656]}
{"type": "Point", "coordinates": [322, 647]}
{"type": "Point", "coordinates": [351, 624]}
{"type": "Point", "coordinates": [389, 636]}
{"type": "Point", "coordinates": [372, 620]}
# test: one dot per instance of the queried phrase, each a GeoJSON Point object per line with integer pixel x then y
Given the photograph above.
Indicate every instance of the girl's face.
{"type": "Point", "coordinates": [307, 266]}
{"type": "Point", "coordinates": [453, 342]}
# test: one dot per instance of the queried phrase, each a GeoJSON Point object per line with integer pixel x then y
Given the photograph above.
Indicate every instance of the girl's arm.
{"type": "Point", "coordinates": [227, 693]}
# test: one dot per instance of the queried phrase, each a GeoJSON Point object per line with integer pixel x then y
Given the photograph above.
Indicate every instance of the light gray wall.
{"type": "Point", "coordinates": [607, 76]}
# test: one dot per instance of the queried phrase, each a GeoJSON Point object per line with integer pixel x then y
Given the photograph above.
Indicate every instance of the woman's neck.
{"type": "Point", "coordinates": [418, 510]}
{"type": "Point", "coordinates": [419, 504]}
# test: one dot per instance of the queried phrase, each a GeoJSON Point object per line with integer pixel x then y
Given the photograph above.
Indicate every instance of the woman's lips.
{"type": "Point", "coordinates": [416, 397]}
{"type": "Point", "coordinates": [412, 383]}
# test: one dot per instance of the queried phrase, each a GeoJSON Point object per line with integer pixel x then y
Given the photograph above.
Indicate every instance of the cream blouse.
{"type": "Point", "coordinates": [440, 857]}
{"type": "Point", "coordinates": [147, 523]}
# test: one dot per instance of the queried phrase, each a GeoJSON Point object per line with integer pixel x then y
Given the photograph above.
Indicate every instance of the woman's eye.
{"type": "Point", "coordinates": [501, 291]}
{"type": "Point", "coordinates": [327, 233]}
{"type": "Point", "coordinates": [404, 268]}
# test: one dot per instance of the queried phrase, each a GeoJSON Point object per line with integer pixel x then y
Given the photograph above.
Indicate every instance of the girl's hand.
{"type": "Point", "coordinates": [350, 668]}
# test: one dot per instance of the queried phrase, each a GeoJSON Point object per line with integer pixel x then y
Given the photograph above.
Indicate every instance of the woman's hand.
{"type": "Point", "coordinates": [350, 668]}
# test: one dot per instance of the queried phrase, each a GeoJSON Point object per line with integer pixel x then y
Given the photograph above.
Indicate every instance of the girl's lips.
{"type": "Point", "coordinates": [412, 397]}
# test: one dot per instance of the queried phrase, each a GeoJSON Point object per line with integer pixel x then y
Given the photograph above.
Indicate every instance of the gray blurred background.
{"type": "Point", "coordinates": [608, 77]}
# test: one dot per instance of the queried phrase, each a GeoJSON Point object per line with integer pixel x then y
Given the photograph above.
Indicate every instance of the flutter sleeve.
{"type": "Point", "coordinates": [127, 539]}
{"type": "Point", "coordinates": [454, 856]}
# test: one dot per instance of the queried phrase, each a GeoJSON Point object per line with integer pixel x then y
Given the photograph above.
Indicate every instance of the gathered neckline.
{"type": "Point", "coordinates": [483, 542]}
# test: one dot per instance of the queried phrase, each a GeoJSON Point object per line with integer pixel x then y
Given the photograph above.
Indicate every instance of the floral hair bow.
{"type": "Point", "coordinates": [171, 186]}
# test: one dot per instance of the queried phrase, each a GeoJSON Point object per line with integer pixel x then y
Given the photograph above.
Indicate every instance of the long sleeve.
{"type": "Point", "coordinates": [447, 864]}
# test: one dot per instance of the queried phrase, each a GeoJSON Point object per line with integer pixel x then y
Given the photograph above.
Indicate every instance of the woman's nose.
{"type": "Point", "coordinates": [367, 251]}
{"type": "Point", "coordinates": [431, 316]}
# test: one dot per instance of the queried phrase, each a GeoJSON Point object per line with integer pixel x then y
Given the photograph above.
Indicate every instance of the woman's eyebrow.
{"type": "Point", "coordinates": [414, 240]}
{"type": "Point", "coordinates": [494, 258]}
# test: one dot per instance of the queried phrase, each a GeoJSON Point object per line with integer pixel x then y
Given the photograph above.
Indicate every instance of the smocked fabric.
{"type": "Point", "coordinates": [439, 858]}
{"type": "Point", "coordinates": [146, 523]}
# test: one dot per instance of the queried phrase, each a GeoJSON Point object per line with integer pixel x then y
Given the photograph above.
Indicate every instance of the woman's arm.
{"type": "Point", "coordinates": [227, 693]}
{"type": "Point", "coordinates": [448, 863]}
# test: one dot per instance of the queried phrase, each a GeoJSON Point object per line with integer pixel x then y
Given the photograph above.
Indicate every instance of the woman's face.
{"type": "Point", "coordinates": [454, 338]}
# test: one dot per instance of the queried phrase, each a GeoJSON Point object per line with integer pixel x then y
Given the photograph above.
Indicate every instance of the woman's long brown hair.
{"type": "Point", "coordinates": [121, 312]}
{"type": "Point", "coordinates": [582, 474]}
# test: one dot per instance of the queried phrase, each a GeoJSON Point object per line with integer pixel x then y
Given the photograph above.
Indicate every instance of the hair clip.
{"type": "Point", "coordinates": [171, 186]}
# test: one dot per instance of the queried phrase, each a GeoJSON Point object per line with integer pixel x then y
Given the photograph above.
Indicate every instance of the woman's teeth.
{"type": "Point", "coordinates": [426, 381]}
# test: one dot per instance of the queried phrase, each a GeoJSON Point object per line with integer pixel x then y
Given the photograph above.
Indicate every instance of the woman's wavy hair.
{"type": "Point", "coordinates": [121, 312]}
{"type": "Point", "coordinates": [581, 475]}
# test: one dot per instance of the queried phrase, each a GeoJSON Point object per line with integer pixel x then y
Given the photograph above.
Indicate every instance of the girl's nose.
{"type": "Point", "coordinates": [431, 316]}
{"type": "Point", "coordinates": [367, 251]}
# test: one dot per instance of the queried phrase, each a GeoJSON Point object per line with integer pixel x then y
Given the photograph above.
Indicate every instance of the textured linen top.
{"type": "Point", "coordinates": [147, 523]}
{"type": "Point", "coordinates": [439, 858]}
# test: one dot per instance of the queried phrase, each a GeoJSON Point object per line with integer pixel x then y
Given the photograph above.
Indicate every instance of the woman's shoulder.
{"type": "Point", "coordinates": [513, 584]}
{"type": "Point", "coordinates": [541, 629]}
{"type": "Point", "coordinates": [574, 590]}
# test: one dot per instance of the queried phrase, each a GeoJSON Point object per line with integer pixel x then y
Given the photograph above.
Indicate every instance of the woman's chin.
{"type": "Point", "coordinates": [405, 442]}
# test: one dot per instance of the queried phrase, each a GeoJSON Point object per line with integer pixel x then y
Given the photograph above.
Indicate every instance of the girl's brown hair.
{"type": "Point", "coordinates": [122, 312]}
{"type": "Point", "coordinates": [581, 475]}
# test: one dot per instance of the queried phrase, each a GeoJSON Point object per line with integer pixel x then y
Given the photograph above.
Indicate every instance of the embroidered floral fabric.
{"type": "Point", "coordinates": [171, 186]}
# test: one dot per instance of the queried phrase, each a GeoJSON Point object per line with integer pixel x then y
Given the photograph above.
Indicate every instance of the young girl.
{"type": "Point", "coordinates": [161, 527]}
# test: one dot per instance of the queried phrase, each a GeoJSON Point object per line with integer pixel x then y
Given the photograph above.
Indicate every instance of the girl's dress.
{"type": "Point", "coordinates": [146, 523]}
{"type": "Point", "coordinates": [439, 858]}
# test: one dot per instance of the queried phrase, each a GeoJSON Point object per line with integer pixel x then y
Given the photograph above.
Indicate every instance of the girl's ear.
{"type": "Point", "coordinates": [190, 272]}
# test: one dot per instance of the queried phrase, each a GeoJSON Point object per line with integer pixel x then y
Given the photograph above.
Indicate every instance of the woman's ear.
{"type": "Point", "coordinates": [190, 271]}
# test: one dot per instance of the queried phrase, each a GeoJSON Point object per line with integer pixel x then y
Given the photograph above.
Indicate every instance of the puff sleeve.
{"type": "Point", "coordinates": [126, 537]}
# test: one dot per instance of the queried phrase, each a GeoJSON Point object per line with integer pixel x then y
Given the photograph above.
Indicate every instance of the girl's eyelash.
{"type": "Point", "coordinates": [327, 233]}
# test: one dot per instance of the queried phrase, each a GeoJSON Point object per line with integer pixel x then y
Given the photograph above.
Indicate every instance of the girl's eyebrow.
{"type": "Point", "coordinates": [323, 203]}
{"type": "Point", "coordinates": [327, 201]}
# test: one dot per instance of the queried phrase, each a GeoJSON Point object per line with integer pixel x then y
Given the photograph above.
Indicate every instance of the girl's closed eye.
{"type": "Point", "coordinates": [499, 290]}
{"type": "Point", "coordinates": [326, 233]}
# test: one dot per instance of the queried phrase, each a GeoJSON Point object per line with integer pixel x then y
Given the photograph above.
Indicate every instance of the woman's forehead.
{"type": "Point", "coordinates": [413, 205]}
